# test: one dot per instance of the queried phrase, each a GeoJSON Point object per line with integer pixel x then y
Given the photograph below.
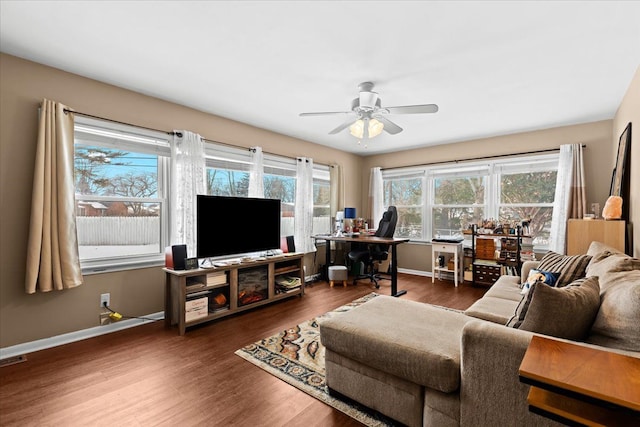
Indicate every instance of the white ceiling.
{"type": "Point", "coordinates": [493, 68]}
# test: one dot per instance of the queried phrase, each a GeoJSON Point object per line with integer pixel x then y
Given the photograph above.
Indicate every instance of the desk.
{"type": "Point", "coordinates": [393, 242]}
{"type": "Point", "coordinates": [454, 248]}
{"type": "Point", "coordinates": [581, 385]}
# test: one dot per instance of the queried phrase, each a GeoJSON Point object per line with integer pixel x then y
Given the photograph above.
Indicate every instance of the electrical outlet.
{"type": "Point", "coordinates": [105, 298]}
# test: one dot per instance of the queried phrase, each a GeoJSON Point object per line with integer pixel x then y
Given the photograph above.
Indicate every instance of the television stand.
{"type": "Point", "coordinates": [197, 296]}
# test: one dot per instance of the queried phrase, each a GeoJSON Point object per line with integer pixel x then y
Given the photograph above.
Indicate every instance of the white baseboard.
{"type": "Point", "coordinates": [30, 347]}
{"type": "Point", "coordinates": [415, 272]}
{"type": "Point", "coordinates": [45, 343]}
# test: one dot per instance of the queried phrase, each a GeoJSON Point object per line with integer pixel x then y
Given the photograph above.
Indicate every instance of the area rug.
{"type": "Point", "coordinates": [296, 356]}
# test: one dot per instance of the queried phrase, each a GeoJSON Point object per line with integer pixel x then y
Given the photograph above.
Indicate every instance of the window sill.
{"type": "Point", "coordinates": [99, 267]}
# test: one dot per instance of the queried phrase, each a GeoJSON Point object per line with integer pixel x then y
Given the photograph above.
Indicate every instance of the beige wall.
{"type": "Point", "coordinates": [23, 85]}
{"type": "Point", "coordinates": [598, 155]}
{"type": "Point", "coordinates": [629, 111]}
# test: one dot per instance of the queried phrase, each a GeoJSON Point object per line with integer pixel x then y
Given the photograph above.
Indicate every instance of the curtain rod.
{"type": "Point", "coordinates": [178, 134]}
{"type": "Point", "coordinates": [469, 159]}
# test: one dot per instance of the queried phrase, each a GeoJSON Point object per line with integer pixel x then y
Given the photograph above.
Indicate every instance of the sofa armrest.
{"type": "Point", "coordinates": [526, 268]}
{"type": "Point", "coordinates": [491, 392]}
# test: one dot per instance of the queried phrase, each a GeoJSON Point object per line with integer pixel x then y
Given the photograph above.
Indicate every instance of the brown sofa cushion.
{"type": "Point", "coordinates": [617, 324]}
{"type": "Point", "coordinates": [493, 309]}
{"type": "Point", "coordinates": [570, 267]}
{"type": "Point", "coordinates": [566, 312]}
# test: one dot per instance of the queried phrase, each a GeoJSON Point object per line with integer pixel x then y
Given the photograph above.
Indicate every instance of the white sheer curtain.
{"type": "Point", "coordinates": [187, 181]}
{"type": "Point", "coordinates": [570, 197]}
{"type": "Point", "coordinates": [53, 261]}
{"type": "Point", "coordinates": [376, 197]}
{"type": "Point", "coordinates": [256, 174]}
{"type": "Point", "coordinates": [304, 205]}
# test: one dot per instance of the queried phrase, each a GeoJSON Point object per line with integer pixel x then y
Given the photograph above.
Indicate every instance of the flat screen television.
{"type": "Point", "coordinates": [236, 225]}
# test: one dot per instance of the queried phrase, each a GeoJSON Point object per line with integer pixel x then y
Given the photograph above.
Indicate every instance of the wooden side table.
{"type": "Point", "coordinates": [580, 385]}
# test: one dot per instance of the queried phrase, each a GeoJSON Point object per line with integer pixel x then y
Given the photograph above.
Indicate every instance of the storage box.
{"type": "Point", "coordinates": [196, 309]}
{"type": "Point", "coordinates": [485, 249]}
{"type": "Point", "coordinates": [451, 264]}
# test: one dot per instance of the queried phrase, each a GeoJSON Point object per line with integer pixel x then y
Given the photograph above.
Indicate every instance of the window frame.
{"type": "Point", "coordinates": [110, 135]}
{"type": "Point", "coordinates": [494, 168]}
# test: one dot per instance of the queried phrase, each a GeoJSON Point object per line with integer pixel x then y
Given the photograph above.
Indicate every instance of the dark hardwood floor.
{"type": "Point", "coordinates": [150, 376]}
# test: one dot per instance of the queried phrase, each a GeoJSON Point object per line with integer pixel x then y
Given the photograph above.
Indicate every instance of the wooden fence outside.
{"type": "Point", "coordinates": [144, 230]}
{"type": "Point", "coordinates": [118, 230]}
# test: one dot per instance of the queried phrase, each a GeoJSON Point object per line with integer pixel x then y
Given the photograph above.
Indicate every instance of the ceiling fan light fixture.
{"type": "Point", "coordinates": [357, 128]}
{"type": "Point", "coordinates": [375, 128]}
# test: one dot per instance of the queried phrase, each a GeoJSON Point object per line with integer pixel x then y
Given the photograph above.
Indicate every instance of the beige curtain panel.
{"type": "Point", "coordinates": [336, 190]}
{"type": "Point", "coordinates": [53, 262]}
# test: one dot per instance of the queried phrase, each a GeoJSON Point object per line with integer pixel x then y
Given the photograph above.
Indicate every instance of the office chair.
{"type": "Point", "coordinates": [371, 253]}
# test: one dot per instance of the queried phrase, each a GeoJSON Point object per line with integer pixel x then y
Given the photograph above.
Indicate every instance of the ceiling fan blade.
{"type": "Point", "coordinates": [343, 126]}
{"type": "Point", "coordinates": [327, 113]}
{"type": "Point", "coordinates": [389, 126]}
{"type": "Point", "coordinates": [413, 109]}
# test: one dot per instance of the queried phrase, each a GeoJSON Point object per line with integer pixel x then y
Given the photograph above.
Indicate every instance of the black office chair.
{"type": "Point", "coordinates": [369, 254]}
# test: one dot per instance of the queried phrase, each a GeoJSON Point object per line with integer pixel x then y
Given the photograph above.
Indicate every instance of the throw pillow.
{"type": "Point", "coordinates": [570, 267]}
{"type": "Point", "coordinates": [606, 263]}
{"type": "Point", "coordinates": [539, 276]}
{"type": "Point", "coordinates": [616, 324]}
{"type": "Point", "coordinates": [566, 312]}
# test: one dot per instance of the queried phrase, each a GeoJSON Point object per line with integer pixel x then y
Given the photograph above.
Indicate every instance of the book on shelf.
{"type": "Point", "coordinates": [286, 284]}
{"type": "Point", "coordinates": [216, 274]}
{"type": "Point", "coordinates": [216, 279]}
{"type": "Point", "coordinates": [288, 281]}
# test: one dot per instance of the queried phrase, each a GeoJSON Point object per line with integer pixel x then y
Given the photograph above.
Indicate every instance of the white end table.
{"type": "Point", "coordinates": [438, 248]}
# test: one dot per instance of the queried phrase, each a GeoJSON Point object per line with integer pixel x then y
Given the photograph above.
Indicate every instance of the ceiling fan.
{"type": "Point", "coordinates": [367, 116]}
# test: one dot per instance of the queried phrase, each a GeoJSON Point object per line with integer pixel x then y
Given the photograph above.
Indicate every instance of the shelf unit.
{"type": "Point", "coordinates": [485, 266]}
{"type": "Point", "coordinates": [183, 287]}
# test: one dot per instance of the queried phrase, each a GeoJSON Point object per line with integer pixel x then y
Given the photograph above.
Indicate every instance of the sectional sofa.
{"type": "Point", "coordinates": [425, 365]}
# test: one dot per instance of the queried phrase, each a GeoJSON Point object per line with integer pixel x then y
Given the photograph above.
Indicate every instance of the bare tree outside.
{"type": "Point", "coordinates": [90, 167]}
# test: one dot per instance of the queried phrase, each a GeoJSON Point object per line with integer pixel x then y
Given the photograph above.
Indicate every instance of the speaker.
{"type": "Point", "coordinates": [287, 244]}
{"type": "Point", "coordinates": [291, 246]}
{"type": "Point", "coordinates": [179, 254]}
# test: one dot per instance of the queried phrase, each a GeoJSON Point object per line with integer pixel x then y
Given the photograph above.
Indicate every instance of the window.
{"type": "Point", "coordinates": [442, 200]}
{"type": "Point", "coordinates": [459, 198]}
{"type": "Point", "coordinates": [527, 190]}
{"type": "Point", "coordinates": [321, 198]}
{"type": "Point", "coordinates": [405, 192]}
{"type": "Point", "coordinates": [121, 177]}
{"type": "Point", "coordinates": [228, 175]}
{"type": "Point", "coordinates": [121, 199]}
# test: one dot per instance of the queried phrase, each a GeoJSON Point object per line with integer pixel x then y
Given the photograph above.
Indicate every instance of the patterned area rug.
{"type": "Point", "coordinates": [296, 356]}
